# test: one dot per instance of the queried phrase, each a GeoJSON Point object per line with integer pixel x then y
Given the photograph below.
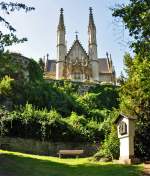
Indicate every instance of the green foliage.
{"type": "Point", "coordinates": [35, 72]}
{"type": "Point", "coordinates": [109, 119]}
{"type": "Point", "coordinates": [107, 96]}
{"type": "Point", "coordinates": [136, 17]}
{"type": "Point", "coordinates": [30, 122]}
{"type": "Point", "coordinates": [17, 67]}
{"type": "Point", "coordinates": [142, 138]}
{"type": "Point", "coordinates": [9, 66]}
{"type": "Point", "coordinates": [41, 64]}
{"type": "Point", "coordinates": [65, 99]}
{"type": "Point", "coordinates": [97, 115]}
{"type": "Point", "coordinates": [54, 111]}
{"type": "Point", "coordinates": [46, 108]}
{"type": "Point", "coordinates": [65, 167]}
{"type": "Point", "coordinates": [4, 117]}
{"type": "Point", "coordinates": [7, 39]}
{"type": "Point", "coordinates": [77, 121]}
{"type": "Point", "coordinates": [135, 89]}
{"type": "Point", "coordinates": [110, 146]}
{"type": "Point", "coordinates": [135, 100]}
{"type": "Point", "coordinates": [6, 86]}
{"type": "Point", "coordinates": [135, 93]}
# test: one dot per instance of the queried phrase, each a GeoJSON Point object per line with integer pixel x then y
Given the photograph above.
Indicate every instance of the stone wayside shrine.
{"type": "Point", "coordinates": [126, 133]}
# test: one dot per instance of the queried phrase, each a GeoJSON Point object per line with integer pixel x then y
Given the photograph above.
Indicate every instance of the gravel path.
{"type": "Point", "coordinates": [146, 170]}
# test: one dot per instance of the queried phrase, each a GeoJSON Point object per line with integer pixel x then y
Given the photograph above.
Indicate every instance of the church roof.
{"type": "Point", "coordinates": [104, 65]}
{"type": "Point", "coordinates": [74, 44]}
{"type": "Point", "coordinates": [121, 116]}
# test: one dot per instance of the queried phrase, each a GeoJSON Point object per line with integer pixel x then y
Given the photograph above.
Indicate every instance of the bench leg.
{"type": "Point", "coordinates": [59, 155]}
{"type": "Point", "coordinates": [77, 156]}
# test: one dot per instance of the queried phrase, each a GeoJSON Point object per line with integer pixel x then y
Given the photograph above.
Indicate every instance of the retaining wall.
{"type": "Point", "coordinates": [45, 148]}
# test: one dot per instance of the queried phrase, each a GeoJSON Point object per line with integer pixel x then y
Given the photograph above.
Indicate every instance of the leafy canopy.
{"type": "Point", "coordinates": [7, 39]}
{"type": "Point", "coordinates": [136, 17]}
{"type": "Point", "coordinates": [135, 89]}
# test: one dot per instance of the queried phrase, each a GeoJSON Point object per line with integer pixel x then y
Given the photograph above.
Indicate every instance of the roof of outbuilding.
{"type": "Point", "coordinates": [124, 116]}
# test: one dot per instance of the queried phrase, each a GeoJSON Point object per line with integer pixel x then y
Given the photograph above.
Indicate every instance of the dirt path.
{"type": "Point", "coordinates": [146, 170]}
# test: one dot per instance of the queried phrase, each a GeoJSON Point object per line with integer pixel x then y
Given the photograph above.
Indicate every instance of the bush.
{"type": "Point", "coordinates": [110, 146]}
{"type": "Point", "coordinates": [32, 123]}
{"type": "Point", "coordinates": [142, 139]}
{"type": "Point", "coordinates": [6, 86]}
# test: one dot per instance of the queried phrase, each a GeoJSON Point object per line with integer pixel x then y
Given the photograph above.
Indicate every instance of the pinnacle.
{"type": "Point", "coordinates": [61, 11]}
{"type": "Point", "coordinates": [91, 19]}
{"type": "Point", "coordinates": [91, 10]}
{"type": "Point", "coordinates": [61, 20]}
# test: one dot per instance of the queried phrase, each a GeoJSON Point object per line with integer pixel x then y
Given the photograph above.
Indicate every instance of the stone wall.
{"type": "Point", "coordinates": [45, 148]}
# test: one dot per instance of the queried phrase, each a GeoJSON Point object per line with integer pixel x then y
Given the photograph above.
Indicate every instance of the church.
{"type": "Point", "coordinates": [77, 64]}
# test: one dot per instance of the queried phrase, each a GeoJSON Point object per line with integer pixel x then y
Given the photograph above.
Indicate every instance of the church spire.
{"type": "Point", "coordinates": [61, 25]}
{"type": "Point", "coordinates": [92, 28]}
{"type": "Point", "coordinates": [61, 46]}
{"type": "Point", "coordinates": [91, 19]}
{"type": "Point", "coordinates": [93, 46]}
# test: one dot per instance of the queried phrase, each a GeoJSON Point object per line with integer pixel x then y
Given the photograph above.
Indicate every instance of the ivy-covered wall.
{"type": "Point", "coordinates": [46, 148]}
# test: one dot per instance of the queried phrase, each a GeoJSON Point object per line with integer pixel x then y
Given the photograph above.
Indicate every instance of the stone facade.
{"type": "Point", "coordinates": [76, 64]}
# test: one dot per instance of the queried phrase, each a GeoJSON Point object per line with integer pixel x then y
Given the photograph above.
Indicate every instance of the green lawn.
{"type": "Point", "coordinates": [18, 164]}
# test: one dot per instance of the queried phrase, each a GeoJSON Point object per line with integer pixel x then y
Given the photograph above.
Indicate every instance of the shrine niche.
{"type": "Point", "coordinates": [123, 128]}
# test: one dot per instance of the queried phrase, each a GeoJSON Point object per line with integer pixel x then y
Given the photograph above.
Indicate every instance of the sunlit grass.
{"type": "Point", "coordinates": [33, 165]}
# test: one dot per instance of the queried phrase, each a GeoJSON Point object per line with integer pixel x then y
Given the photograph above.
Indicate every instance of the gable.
{"type": "Point", "coordinates": [77, 52]}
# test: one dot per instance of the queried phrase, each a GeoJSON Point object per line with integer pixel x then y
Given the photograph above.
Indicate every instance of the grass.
{"type": "Point", "coordinates": [19, 164]}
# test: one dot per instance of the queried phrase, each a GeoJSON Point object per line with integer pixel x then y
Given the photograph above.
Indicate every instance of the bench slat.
{"type": "Point", "coordinates": [71, 152]}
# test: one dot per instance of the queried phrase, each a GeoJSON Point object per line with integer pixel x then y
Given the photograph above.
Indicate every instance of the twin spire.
{"type": "Point", "coordinates": [91, 19]}
{"type": "Point", "coordinates": [61, 25]}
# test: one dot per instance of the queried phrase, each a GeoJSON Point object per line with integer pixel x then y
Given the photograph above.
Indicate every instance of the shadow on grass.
{"type": "Point", "coordinates": [14, 165]}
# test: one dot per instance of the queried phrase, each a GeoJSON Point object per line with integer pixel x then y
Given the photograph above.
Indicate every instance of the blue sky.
{"type": "Point", "coordinates": [40, 28]}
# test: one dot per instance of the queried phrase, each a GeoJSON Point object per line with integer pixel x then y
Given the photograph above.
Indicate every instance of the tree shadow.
{"type": "Point", "coordinates": [15, 165]}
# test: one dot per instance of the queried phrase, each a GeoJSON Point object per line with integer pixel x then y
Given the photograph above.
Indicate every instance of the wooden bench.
{"type": "Point", "coordinates": [70, 152]}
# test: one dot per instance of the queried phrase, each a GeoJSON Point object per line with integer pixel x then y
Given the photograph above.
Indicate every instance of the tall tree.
{"type": "Point", "coordinates": [135, 90]}
{"type": "Point", "coordinates": [41, 63]}
{"type": "Point", "coordinates": [7, 39]}
{"type": "Point", "coordinates": [136, 17]}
